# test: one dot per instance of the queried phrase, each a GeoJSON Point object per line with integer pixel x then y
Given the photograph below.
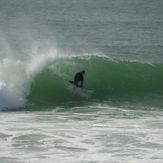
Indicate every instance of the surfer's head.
{"type": "Point", "coordinates": [83, 72]}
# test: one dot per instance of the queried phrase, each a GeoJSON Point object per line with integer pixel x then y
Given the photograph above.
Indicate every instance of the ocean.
{"type": "Point", "coordinates": [117, 117]}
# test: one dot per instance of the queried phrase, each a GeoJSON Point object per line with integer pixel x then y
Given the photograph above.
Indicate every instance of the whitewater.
{"type": "Point", "coordinates": [117, 117]}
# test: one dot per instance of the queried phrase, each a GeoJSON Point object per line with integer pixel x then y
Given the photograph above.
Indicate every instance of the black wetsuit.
{"type": "Point", "coordinates": [78, 78]}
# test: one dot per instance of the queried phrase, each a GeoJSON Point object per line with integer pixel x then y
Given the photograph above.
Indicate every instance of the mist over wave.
{"type": "Point", "coordinates": [19, 70]}
{"type": "Point", "coordinates": [21, 60]}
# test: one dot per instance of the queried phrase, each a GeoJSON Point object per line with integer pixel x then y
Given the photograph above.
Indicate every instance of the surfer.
{"type": "Point", "coordinates": [79, 77]}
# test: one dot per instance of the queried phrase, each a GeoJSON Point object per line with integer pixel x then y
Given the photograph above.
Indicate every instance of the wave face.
{"type": "Point", "coordinates": [104, 80]}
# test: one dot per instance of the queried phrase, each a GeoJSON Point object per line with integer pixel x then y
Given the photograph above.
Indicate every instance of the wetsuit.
{"type": "Point", "coordinates": [78, 78]}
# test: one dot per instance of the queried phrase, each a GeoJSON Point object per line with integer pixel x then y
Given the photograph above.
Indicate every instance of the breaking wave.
{"type": "Point", "coordinates": [43, 79]}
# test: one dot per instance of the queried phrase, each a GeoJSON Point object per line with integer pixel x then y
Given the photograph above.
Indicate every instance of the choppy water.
{"type": "Point", "coordinates": [96, 133]}
{"type": "Point", "coordinates": [118, 117]}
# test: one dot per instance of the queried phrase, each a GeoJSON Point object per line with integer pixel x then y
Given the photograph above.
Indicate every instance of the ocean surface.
{"type": "Point", "coordinates": [117, 117]}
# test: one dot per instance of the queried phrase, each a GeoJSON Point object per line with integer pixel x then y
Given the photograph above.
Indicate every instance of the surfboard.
{"type": "Point", "coordinates": [72, 82]}
{"type": "Point", "coordinates": [84, 92]}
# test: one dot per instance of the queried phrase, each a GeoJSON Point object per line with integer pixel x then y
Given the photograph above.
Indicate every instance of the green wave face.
{"type": "Point", "coordinates": [104, 80]}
